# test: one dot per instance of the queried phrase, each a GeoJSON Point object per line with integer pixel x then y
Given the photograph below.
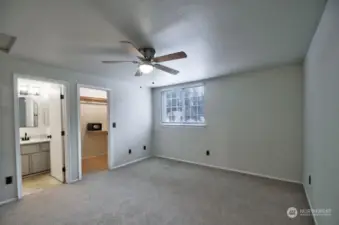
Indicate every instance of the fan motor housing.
{"type": "Point", "coordinates": [148, 53]}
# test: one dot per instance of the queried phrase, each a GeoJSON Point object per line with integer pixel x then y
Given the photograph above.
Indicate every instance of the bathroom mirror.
{"type": "Point", "coordinates": [29, 112]}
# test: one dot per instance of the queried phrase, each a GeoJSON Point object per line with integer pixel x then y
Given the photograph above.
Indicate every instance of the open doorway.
{"type": "Point", "coordinates": [93, 114]}
{"type": "Point", "coordinates": [40, 115]}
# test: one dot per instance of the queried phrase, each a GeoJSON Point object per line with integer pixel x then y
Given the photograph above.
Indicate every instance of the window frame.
{"type": "Point", "coordinates": [163, 106]}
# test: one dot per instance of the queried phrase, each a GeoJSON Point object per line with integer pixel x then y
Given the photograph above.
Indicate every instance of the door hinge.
{"type": "Point", "coordinates": [63, 133]}
{"type": "Point", "coordinates": [62, 96]}
{"type": "Point", "coordinates": [63, 169]}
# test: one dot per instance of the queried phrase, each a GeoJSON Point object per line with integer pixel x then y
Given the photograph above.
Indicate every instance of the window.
{"type": "Point", "coordinates": [183, 106]}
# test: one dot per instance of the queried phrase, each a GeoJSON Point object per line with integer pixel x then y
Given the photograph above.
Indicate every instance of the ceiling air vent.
{"type": "Point", "coordinates": [6, 42]}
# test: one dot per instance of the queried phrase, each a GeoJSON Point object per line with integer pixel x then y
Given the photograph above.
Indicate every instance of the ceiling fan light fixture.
{"type": "Point", "coordinates": [147, 62]}
{"type": "Point", "coordinates": [146, 68]}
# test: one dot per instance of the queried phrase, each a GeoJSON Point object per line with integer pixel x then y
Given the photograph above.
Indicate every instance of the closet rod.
{"type": "Point", "coordinates": [93, 103]}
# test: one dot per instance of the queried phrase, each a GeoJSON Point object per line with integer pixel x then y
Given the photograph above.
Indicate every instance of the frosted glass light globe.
{"type": "Point", "coordinates": [146, 68]}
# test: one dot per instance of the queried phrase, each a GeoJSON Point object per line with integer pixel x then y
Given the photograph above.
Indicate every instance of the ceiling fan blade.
{"type": "Point", "coordinates": [119, 61]}
{"type": "Point", "coordinates": [141, 58]}
{"type": "Point", "coordinates": [173, 56]}
{"type": "Point", "coordinates": [138, 73]}
{"type": "Point", "coordinates": [166, 69]}
{"type": "Point", "coordinates": [132, 48]}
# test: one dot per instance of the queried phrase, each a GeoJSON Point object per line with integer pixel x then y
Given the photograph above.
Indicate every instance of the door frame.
{"type": "Point", "coordinates": [66, 115]}
{"type": "Point", "coordinates": [110, 150]}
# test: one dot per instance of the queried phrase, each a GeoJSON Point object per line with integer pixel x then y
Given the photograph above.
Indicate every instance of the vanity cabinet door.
{"type": "Point", "coordinates": [25, 165]}
{"type": "Point", "coordinates": [40, 162]}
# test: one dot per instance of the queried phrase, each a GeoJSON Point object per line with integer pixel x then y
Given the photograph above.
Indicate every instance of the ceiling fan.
{"type": "Point", "coordinates": [147, 62]}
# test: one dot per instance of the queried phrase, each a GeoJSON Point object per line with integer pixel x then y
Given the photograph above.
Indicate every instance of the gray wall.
{"type": "Point", "coordinates": [130, 108]}
{"type": "Point", "coordinates": [321, 156]}
{"type": "Point", "coordinates": [254, 124]}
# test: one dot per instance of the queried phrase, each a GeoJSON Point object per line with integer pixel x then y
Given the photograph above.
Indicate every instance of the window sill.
{"type": "Point", "coordinates": [182, 125]}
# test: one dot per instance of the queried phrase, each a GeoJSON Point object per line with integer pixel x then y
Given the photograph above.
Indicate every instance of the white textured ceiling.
{"type": "Point", "coordinates": [219, 36]}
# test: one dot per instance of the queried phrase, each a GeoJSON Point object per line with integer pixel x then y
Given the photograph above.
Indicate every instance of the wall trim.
{"type": "Point", "coordinates": [230, 169]}
{"type": "Point", "coordinates": [8, 201]}
{"type": "Point", "coordinates": [131, 162]}
{"type": "Point", "coordinates": [65, 114]}
{"type": "Point", "coordinates": [110, 150]}
{"type": "Point", "coordinates": [310, 205]}
{"type": "Point", "coordinates": [73, 181]}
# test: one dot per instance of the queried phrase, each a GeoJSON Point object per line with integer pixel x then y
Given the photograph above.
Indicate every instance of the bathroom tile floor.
{"type": "Point", "coordinates": [38, 183]}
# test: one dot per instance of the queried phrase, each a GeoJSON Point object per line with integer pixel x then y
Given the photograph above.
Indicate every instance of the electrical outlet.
{"type": "Point", "coordinates": [309, 179]}
{"type": "Point", "coordinates": [208, 152]}
{"type": "Point", "coordinates": [130, 151]}
{"type": "Point", "coordinates": [9, 180]}
{"type": "Point", "coordinates": [144, 147]}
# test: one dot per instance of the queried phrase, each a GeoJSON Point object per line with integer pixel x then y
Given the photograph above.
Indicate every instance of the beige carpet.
{"type": "Point", "coordinates": [161, 192]}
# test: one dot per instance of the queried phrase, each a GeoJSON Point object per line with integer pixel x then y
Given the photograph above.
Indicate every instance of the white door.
{"type": "Point", "coordinates": [56, 144]}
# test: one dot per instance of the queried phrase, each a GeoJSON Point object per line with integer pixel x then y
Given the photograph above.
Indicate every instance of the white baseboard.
{"type": "Point", "coordinates": [310, 205]}
{"type": "Point", "coordinates": [116, 167]}
{"type": "Point", "coordinates": [8, 201]}
{"type": "Point", "coordinates": [131, 162]}
{"type": "Point", "coordinates": [229, 169]}
{"type": "Point", "coordinates": [72, 181]}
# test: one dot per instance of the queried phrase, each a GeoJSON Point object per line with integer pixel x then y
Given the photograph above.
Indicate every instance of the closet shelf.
{"type": "Point", "coordinates": [92, 100]}
{"type": "Point", "coordinates": [97, 132]}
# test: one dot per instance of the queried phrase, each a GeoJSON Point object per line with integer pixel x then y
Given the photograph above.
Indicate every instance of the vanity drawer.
{"type": "Point", "coordinates": [44, 146]}
{"type": "Point", "coordinates": [29, 149]}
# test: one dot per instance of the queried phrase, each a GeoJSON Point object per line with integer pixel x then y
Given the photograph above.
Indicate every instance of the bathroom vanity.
{"type": "Point", "coordinates": [35, 156]}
